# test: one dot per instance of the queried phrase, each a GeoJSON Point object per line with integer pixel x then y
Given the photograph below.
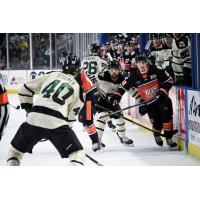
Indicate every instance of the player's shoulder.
{"type": "Point", "coordinates": [52, 72]}
{"type": "Point", "coordinates": [157, 71]}
{"type": "Point", "coordinates": [104, 75]}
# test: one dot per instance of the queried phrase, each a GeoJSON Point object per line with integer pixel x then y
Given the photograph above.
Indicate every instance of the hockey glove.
{"type": "Point", "coordinates": [115, 99]}
{"type": "Point", "coordinates": [143, 110]}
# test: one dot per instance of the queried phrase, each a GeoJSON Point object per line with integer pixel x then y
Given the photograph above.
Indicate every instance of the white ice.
{"type": "Point", "coordinates": [145, 151]}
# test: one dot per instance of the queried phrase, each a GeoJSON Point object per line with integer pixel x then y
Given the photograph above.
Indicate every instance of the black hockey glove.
{"type": "Point", "coordinates": [97, 97]}
{"type": "Point", "coordinates": [143, 110]}
{"type": "Point", "coordinates": [26, 106]}
{"type": "Point", "coordinates": [115, 99]}
{"type": "Point", "coordinates": [161, 95]}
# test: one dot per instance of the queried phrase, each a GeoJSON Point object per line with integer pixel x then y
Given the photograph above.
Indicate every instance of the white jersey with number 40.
{"type": "Point", "coordinates": [58, 100]}
{"type": "Point", "coordinates": [92, 65]}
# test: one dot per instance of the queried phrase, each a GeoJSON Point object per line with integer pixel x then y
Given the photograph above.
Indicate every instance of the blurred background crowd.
{"type": "Point", "coordinates": [171, 52]}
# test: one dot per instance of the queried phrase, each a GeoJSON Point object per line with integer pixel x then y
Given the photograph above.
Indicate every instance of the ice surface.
{"type": "Point", "coordinates": [145, 152]}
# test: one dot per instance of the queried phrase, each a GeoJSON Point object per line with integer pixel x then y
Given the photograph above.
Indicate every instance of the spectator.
{"type": "Point", "coordinates": [19, 51]}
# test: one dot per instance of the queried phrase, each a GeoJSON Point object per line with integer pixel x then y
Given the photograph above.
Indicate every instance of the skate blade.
{"type": "Point", "coordinates": [102, 150]}
{"type": "Point", "coordinates": [129, 145]}
{"type": "Point", "coordinates": [174, 148]}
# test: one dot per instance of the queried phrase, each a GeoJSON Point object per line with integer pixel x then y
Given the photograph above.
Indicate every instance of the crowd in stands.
{"type": "Point", "coordinates": [41, 58]}
{"type": "Point", "coordinates": [19, 52]}
{"type": "Point", "coordinates": [3, 58]}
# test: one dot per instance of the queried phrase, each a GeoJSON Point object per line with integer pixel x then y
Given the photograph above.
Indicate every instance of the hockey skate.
{"type": "Point", "coordinates": [171, 143]}
{"type": "Point", "coordinates": [126, 141]}
{"type": "Point", "coordinates": [98, 147]}
{"type": "Point", "coordinates": [158, 140]}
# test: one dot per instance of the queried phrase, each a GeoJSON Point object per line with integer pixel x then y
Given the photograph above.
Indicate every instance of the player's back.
{"type": "Point", "coordinates": [58, 101]}
{"type": "Point", "coordinates": [92, 65]}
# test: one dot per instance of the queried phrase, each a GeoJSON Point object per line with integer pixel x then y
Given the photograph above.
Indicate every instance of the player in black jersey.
{"type": "Point", "coordinates": [153, 86]}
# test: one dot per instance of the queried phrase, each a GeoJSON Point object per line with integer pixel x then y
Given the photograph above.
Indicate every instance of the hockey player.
{"type": "Point", "coordinates": [164, 55]}
{"type": "Point", "coordinates": [51, 114]}
{"type": "Point", "coordinates": [86, 113]}
{"type": "Point", "coordinates": [153, 85]}
{"type": "Point", "coordinates": [4, 107]}
{"type": "Point", "coordinates": [155, 48]}
{"type": "Point", "coordinates": [164, 58]}
{"type": "Point", "coordinates": [92, 65]}
{"type": "Point", "coordinates": [181, 59]}
{"type": "Point", "coordinates": [127, 61]}
{"type": "Point", "coordinates": [107, 84]}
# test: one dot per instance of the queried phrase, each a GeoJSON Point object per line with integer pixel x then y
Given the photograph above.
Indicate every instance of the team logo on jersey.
{"type": "Point", "coordinates": [152, 91]}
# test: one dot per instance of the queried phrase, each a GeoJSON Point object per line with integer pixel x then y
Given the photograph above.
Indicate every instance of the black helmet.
{"type": "Point", "coordinates": [114, 64]}
{"type": "Point", "coordinates": [154, 35]}
{"type": "Point", "coordinates": [141, 57]}
{"type": "Point", "coordinates": [164, 35]}
{"type": "Point", "coordinates": [71, 64]}
{"type": "Point", "coordinates": [94, 47]}
{"type": "Point", "coordinates": [63, 53]}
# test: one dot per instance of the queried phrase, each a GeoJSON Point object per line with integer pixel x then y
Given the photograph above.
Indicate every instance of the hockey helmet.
{"type": "Point", "coordinates": [71, 64]}
{"type": "Point", "coordinates": [114, 64]}
{"type": "Point", "coordinates": [141, 57]}
{"type": "Point", "coordinates": [154, 35]}
{"type": "Point", "coordinates": [94, 47]}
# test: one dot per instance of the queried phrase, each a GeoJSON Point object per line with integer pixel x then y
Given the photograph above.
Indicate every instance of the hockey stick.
{"type": "Point", "coordinates": [93, 160]}
{"type": "Point", "coordinates": [17, 107]}
{"type": "Point", "coordinates": [116, 112]}
{"type": "Point", "coordinates": [138, 124]}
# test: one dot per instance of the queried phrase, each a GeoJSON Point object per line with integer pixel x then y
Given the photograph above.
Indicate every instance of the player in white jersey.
{"type": "Point", "coordinates": [50, 115]}
{"type": "Point", "coordinates": [163, 59]}
{"type": "Point", "coordinates": [86, 113]}
{"type": "Point", "coordinates": [107, 84]}
{"type": "Point", "coordinates": [181, 59]}
{"type": "Point", "coordinates": [4, 107]}
{"type": "Point", "coordinates": [92, 65]}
